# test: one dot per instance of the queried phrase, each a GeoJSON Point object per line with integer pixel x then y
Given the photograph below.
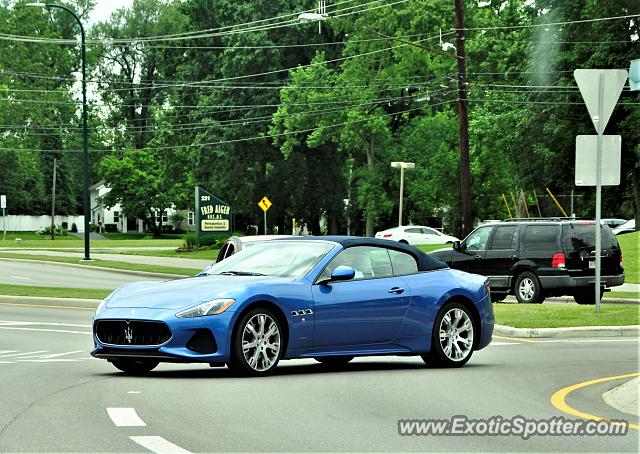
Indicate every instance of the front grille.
{"type": "Point", "coordinates": [132, 332]}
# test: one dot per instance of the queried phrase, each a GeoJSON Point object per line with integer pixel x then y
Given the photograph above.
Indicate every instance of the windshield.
{"type": "Point", "coordinates": [582, 235]}
{"type": "Point", "coordinates": [273, 258]}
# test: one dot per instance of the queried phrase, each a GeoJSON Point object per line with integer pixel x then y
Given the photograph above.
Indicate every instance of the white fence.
{"type": "Point", "coordinates": [20, 223]}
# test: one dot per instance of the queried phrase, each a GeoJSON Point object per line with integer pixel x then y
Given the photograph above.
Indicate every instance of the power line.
{"type": "Point", "coordinates": [549, 24]}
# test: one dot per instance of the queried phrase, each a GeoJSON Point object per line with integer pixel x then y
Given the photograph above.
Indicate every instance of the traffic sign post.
{"type": "Point", "coordinates": [265, 204]}
{"type": "Point", "coordinates": [3, 205]}
{"type": "Point", "coordinates": [600, 89]}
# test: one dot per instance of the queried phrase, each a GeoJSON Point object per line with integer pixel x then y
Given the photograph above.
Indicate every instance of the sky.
{"type": "Point", "coordinates": [104, 8]}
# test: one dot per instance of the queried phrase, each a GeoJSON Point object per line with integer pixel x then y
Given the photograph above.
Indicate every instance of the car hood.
{"type": "Point", "coordinates": [184, 293]}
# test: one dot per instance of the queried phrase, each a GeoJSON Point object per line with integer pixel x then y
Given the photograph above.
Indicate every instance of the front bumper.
{"type": "Point", "coordinates": [176, 348]}
{"type": "Point", "coordinates": [578, 282]}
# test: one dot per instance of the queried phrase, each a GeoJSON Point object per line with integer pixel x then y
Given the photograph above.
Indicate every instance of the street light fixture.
{"type": "Point", "coordinates": [402, 166]}
{"type": "Point", "coordinates": [85, 135]}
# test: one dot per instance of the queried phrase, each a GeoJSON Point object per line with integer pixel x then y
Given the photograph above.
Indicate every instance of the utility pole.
{"type": "Point", "coordinates": [465, 167]}
{"type": "Point", "coordinates": [53, 200]}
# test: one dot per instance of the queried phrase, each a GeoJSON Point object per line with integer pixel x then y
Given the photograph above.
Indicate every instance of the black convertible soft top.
{"type": "Point", "coordinates": [425, 262]}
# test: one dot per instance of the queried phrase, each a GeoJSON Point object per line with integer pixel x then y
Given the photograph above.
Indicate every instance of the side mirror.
{"type": "Point", "coordinates": [343, 273]}
{"type": "Point", "coordinates": [457, 246]}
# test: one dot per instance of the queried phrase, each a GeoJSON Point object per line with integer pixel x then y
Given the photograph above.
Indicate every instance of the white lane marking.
{"type": "Point", "coordinates": [6, 362]}
{"type": "Point", "coordinates": [48, 330]}
{"type": "Point", "coordinates": [7, 351]}
{"type": "Point", "coordinates": [54, 355]}
{"type": "Point", "coordinates": [505, 343]}
{"type": "Point", "coordinates": [22, 278]}
{"type": "Point", "coordinates": [133, 392]}
{"type": "Point", "coordinates": [583, 341]}
{"type": "Point", "coordinates": [159, 445]}
{"type": "Point", "coordinates": [23, 354]}
{"type": "Point", "coordinates": [24, 323]}
{"type": "Point", "coordinates": [125, 417]}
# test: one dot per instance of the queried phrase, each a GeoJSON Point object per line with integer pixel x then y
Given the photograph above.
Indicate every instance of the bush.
{"type": "Point", "coordinates": [59, 231]}
{"type": "Point", "coordinates": [208, 242]}
{"type": "Point", "coordinates": [111, 228]}
{"type": "Point", "coordinates": [74, 228]}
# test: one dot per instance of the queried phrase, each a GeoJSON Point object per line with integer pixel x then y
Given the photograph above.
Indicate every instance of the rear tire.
{"type": "Point", "coordinates": [498, 297]}
{"type": "Point", "coordinates": [334, 361]}
{"type": "Point", "coordinates": [528, 289]}
{"type": "Point", "coordinates": [453, 337]}
{"type": "Point", "coordinates": [135, 366]}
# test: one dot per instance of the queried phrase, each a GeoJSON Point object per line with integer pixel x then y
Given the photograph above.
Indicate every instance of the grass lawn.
{"type": "Point", "coordinates": [630, 295]}
{"type": "Point", "coordinates": [71, 242]}
{"type": "Point", "coordinates": [561, 315]}
{"type": "Point", "coordinates": [630, 245]}
{"type": "Point", "coordinates": [207, 254]}
{"type": "Point", "coordinates": [53, 292]}
{"type": "Point", "coordinates": [106, 264]}
{"type": "Point", "coordinates": [432, 247]}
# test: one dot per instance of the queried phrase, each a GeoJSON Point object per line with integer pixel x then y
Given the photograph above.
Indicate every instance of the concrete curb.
{"type": "Point", "coordinates": [111, 270]}
{"type": "Point", "coordinates": [38, 300]}
{"type": "Point", "coordinates": [577, 331]}
{"type": "Point", "coordinates": [624, 398]}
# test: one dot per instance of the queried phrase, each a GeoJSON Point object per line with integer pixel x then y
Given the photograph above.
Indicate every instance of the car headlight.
{"type": "Point", "coordinates": [212, 307]}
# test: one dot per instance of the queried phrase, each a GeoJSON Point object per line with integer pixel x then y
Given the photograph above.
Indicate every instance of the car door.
{"type": "Point", "coordinates": [501, 255]}
{"type": "Point", "coordinates": [368, 309]}
{"type": "Point", "coordinates": [471, 256]}
{"type": "Point", "coordinates": [430, 236]}
{"type": "Point", "coordinates": [413, 235]}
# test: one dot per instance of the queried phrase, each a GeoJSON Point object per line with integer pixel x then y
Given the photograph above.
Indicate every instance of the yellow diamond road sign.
{"type": "Point", "coordinates": [265, 204]}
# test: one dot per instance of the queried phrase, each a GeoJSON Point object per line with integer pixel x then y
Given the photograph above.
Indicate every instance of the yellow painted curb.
{"type": "Point", "coordinates": [520, 339]}
{"type": "Point", "coordinates": [558, 398]}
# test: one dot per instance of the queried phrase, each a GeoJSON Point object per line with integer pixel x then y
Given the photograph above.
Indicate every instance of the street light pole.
{"type": "Point", "coordinates": [402, 166]}
{"type": "Point", "coordinates": [85, 133]}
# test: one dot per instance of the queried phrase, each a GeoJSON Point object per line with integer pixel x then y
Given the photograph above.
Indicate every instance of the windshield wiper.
{"type": "Point", "coordinates": [241, 273]}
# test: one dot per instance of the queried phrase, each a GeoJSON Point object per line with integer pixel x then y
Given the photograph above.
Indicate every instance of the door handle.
{"type": "Point", "coordinates": [396, 290]}
{"type": "Point", "coordinates": [478, 257]}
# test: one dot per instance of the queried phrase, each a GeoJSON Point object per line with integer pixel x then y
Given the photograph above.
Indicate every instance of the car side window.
{"type": "Point", "coordinates": [429, 231]}
{"type": "Point", "coordinates": [541, 237]}
{"type": "Point", "coordinates": [413, 230]}
{"type": "Point", "coordinates": [504, 237]}
{"type": "Point", "coordinates": [403, 263]}
{"type": "Point", "coordinates": [369, 262]}
{"type": "Point", "coordinates": [477, 240]}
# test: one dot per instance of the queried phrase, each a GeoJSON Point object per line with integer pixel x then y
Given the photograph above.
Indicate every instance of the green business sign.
{"type": "Point", "coordinates": [213, 216]}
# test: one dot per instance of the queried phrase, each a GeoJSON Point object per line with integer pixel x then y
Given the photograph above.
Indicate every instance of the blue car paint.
{"type": "Point", "coordinates": [377, 323]}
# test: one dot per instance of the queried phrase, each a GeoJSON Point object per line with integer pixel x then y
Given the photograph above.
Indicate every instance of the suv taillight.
{"type": "Point", "coordinates": [620, 257]}
{"type": "Point", "coordinates": [558, 260]}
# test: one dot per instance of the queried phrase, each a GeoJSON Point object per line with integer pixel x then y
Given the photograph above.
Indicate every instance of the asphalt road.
{"type": "Point", "coordinates": [55, 397]}
{"type": "Point", "coordinates": [56, 275]}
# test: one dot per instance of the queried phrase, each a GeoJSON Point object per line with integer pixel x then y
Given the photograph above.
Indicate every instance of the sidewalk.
{"type": "Point", "coordinates": [624, 398]}
{"type": "Point", "coordinates": [176, 262]}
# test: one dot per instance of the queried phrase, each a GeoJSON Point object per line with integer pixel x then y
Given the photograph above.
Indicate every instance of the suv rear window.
{"type": "Point", "coordinates": [541, 237]}
{"type": "Point", "coordinates": [582, 235]}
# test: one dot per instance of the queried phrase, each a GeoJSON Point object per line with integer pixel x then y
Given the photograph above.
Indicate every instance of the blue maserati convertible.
{"type": "Point", "coordinates": [328, 298]}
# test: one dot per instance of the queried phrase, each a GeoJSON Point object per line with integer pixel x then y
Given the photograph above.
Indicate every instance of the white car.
{"type": "Point", "coordinates": [627, 227]}
{"type": "Point", "coordinates": [416, 234]}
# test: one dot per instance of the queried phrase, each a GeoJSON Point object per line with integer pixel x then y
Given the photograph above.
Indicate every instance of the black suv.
{"type": "Point", "coordinates": [536, 258]}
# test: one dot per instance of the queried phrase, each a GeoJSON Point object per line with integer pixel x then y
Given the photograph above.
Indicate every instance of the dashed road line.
{"type": "Point", "coordinates": [49, 306]}
{"type": "Point", "coordinates": [125, 417]}
{"type": "Point", "coordinates": [159, 445]}
{"type": "Point", "coordinates": [23, 354]}
{"type": "Point", "coordinates": [46, 330]}
{"type": "Point", "coordinates": [558, 399]}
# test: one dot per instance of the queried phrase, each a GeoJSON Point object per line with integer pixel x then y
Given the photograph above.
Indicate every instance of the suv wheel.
{"type": "Point", "coordinates": [587, 296]}
{"type": "Point", "coordinates": [528, 289]}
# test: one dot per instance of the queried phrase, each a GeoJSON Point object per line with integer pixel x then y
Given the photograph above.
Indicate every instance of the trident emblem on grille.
{"type": "Point", "coordinates": [128, 333]}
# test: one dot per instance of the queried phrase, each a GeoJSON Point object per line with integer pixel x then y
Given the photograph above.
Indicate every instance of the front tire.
{"type": "Point", "coordinates": [135, 366]}
{"type": "Point", "coordinates": [453, 337]}
{"type": "Point", "coordinates": [528, 289]}
{"type": "Point", "coordinates": [257, 343]}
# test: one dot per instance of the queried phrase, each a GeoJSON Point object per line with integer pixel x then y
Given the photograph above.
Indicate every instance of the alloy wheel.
{"type": "Point", "coordinates": [261, 342]}
{"type": "Point", "coordinates": [456, 334]}
{"type": "Point", "coordinates": [527, 289]}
